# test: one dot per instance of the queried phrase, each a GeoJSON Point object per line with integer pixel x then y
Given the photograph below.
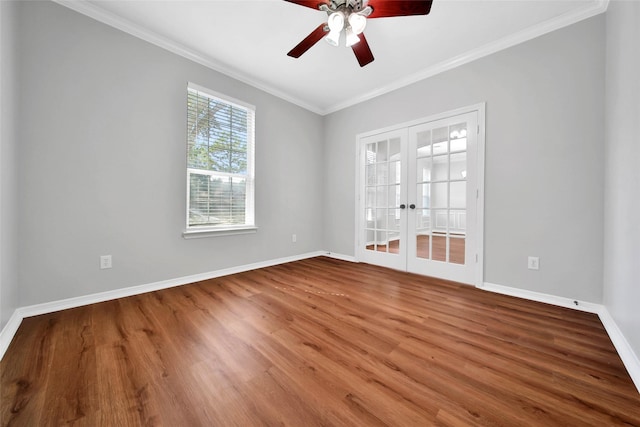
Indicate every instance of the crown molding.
{"type": "Point", "coordinates": [530, 33]}
{"type": "Point", "coordinates": [115, 21]}
{"type": "Point", "coordinates": [101, 15]}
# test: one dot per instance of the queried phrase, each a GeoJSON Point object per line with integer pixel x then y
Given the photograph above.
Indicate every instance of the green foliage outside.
{"type": "Point", "coordinates": [217, 136]}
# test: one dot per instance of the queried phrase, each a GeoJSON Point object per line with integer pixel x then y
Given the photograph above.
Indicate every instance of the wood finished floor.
{"type": "Point", "coordinates": [318, 342]}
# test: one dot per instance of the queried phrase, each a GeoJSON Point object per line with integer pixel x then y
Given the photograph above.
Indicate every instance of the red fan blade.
{"type": "Point", "coordinates": [362, 51]}
{"type": "Point", "coordinates": [308, 41]}
{"type": "Point", "coordinates": [388, 8]}
{"type": "Point", "coordinates": [313, 4]}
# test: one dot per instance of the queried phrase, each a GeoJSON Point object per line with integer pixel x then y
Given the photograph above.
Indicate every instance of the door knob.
{"type": "Point", "coordinates": [402, 206]}
{"type": "Point", "coordinates": [412, 206]}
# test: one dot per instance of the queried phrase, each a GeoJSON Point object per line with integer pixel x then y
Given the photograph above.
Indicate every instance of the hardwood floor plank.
{"type": "Point", "coordinates": [23, 382]}
{"type": "Point", "coordinates": [318, 342]}
{"type": "Point", "coordinates": [74, 403]}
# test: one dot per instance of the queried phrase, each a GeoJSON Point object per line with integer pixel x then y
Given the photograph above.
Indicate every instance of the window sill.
{"type": "Point", "coordinates": [213, 232]}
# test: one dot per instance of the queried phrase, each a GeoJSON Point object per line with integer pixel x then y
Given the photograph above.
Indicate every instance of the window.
{"type": "Point", "coordinates": [220, 163]}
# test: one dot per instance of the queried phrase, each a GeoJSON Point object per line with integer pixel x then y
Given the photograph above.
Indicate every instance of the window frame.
{"type": "Point", "coordinates": [197, 231]}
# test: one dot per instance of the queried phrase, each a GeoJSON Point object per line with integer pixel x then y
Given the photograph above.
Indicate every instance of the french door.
{"type": "Point", "coordinates": [419, 198]}
{"type": "Point", "coordinates": [383, 197]}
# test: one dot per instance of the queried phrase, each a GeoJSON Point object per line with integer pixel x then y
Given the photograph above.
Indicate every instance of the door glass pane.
{"type": "Point", "coordinates": [393, 223]}
{"type": "Point", "coordinates": [439, 195]}
{"type": "Point", "coordinates": [458, 195]}
{"type": "Point", "coordinates": [382, 173]}
{"type": "Point", "coordinates": [440, 168]}
{"type": "Point", "coordinates": [423, 196]}
{"type": "Point", "coordinates": [423, 220]}
{"type": "Point", "coordinates": [423, 228]}
{"type": "Point", "coordinates": [381, 241]}
{"type": "Point", "coordinates": [370, 197]}
{"type": "Point", "coordinates": [423, 172]}
{"type": "Point", "coordinates": [458, 221]}
{"type": "Point", "coordinates": [381, 220]}
{"type": "Point", "coordinates": [382, 152]}
{"type": "Point", "coordinates": [370, 172]}
{"type": "Point", "coordinates": [440, 221]}
{"type": "Point", "coordinates": [458, 136]}
{"type": "Point", "coordinates": [395, 172]}
{"type": "Point", "coordinates": [456, 249]}
{"type": "Point", "coordinates": [440, 140]}
{"type": "Point", "coordinates": [370, 218]}
{"type": "Point", "coordinates": [422, 246]}
{"type": "Point", "coordinates": [394, 242]}
{"type": "Point", "coordinates": [423, 143]}
{"type": "Point", "coordinates": [370, 154]}
{"type": "Point", "coordinates": [439, 247]}
{"type": "Point", "coordinates": [458, 144]}
{"type": "Point", "coordinates": [394, 220]}
{"type": "Point", "coordinates": [458, 166]}
{"type": "Point", "coordinates": [381, 196]}
{"type": "Point", "coordinates": [394, 149]}
{"type": "Point", "coordinates": [370, 241]}
{"type": "Point", "coordinates": [393, 199]}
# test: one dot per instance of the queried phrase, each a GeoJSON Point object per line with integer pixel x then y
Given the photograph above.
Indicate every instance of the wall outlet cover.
{"type": "Point", "coordinates": [105, 262]}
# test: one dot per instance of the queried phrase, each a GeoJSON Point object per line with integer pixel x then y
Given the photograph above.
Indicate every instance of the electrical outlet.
{"type": "Point", "coordinates": [105, 262]}
{"type": "Point", "coordinates": [534, 263]}
{"type": "Point", "coordinates": [294, 238]}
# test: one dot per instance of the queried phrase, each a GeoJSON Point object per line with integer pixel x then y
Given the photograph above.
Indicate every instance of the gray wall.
{"type": "Point", "coordinates": [8, 172]}
{"type": "Point", "coordinates": [544, 148]}
{"type": "Point", "coordinates": [622, 172]}
{"type": "Point", "coordinates": [102, 131]}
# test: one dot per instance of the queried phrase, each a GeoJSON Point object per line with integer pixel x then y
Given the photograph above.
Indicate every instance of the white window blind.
{"type": "Point", "coordinates": [220, 161]}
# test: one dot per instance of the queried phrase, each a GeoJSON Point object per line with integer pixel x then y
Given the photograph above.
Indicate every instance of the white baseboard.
{"type": "Point", "coordinates": [626, 353]}
{"type": "Point", "coordinates": [589, 307]}
{"type": "Point", "coordinates": [348, 258]}
{"type": "Point", "coordinates": [9, 331]}
{"type": "Point", "coordinates": [20, 313]}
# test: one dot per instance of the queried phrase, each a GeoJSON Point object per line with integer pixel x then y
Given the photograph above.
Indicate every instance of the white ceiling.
{"type": "Point", "coordinates": [249, 40]}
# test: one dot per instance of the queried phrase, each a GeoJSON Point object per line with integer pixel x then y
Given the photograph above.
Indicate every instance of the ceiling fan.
{"type": "Point", "coordinates": [351, 16]}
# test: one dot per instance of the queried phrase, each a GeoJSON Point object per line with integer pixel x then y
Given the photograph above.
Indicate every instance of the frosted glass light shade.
{"type": "Point", "coordinates": [357, 22]}
{"type": "Point", "coordinates": [336, 21]}
{"type": "Point", "coordinates": [352, 38]}
{"type": "Point", "coordinates": [333, 38]}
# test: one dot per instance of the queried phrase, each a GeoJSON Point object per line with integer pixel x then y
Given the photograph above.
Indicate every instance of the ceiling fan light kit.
{"type": "Point", "coordinates": [356, 21]}
{"type": "Point", "coordinates": [351, 16]}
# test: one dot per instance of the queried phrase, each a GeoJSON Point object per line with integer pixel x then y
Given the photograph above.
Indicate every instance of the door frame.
{"type": "Point", "coordinates": [479, 109]}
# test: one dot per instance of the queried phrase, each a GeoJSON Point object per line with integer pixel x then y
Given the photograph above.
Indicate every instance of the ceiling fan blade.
{"type": "Point", "coordinates": [388, 8]}
{"type": "Point", "coordinates": [308, 41]}
{"type": "Point", "coordinates": [313, 4]}
{"type": "Point", "coordinates": [362, 51]}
